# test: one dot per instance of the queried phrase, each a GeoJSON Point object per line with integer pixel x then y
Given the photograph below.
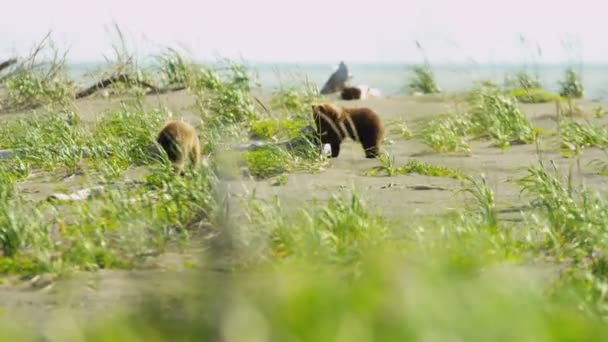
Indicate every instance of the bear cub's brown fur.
{"type": "Point", "coordinates": [180, 141]}
{"type": "Point", "coordinates": [351, 93]}
{"type": "Point", "coordinates": [335, 123]}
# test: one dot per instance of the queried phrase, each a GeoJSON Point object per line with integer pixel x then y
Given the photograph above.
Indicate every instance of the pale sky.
{"type": "Point", "coordinates": [315, 30]}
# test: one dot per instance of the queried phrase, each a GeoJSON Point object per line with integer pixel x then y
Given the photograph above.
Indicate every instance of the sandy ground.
{"type": "Point", "coordinates": [37, 302]}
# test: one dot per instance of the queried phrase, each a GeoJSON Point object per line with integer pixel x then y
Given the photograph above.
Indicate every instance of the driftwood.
{"type": "Point", "coordinates": [79, 195]}
{"type": "Point", "coordinates": [158, 91]}
{"type": "Point", "coordinates": [336, 81]}
{"type": "Point", "coordinates": [111, 80]}
{"type": "Point", "coordinates": [7, 63]}
{"type": "Point", "coordinates": [124, 78]}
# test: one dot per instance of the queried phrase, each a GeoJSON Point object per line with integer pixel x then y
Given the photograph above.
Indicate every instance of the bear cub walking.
{"type": "Point", "coordinates": [335, 123]}
{"type": "Point", "coordinates": [180, 141]}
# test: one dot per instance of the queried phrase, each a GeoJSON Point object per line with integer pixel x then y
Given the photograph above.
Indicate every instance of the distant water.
{"type": "Point", "coordinates": [392, 78]}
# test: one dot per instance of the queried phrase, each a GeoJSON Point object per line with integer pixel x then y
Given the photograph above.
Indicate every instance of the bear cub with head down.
{"type": "Point", "coordinates": [335, 123]}
{"type": "Point", "coordinates": [180, 141]}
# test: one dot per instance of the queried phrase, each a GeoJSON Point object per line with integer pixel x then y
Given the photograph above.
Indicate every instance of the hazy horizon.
{"type": "Point", "coordinates": [383, 31]}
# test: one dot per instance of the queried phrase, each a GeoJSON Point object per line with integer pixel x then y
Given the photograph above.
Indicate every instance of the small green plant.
{"type": "Point", "coordinates": [264, 129]}
{"type": "Point", "coordinates": [400, 127]}
{"type": "Point", "coordinates": [268, 161]}
{"type": "Point", "coordinates": [20, 226]}
{"type": "Point", "coordinates": [41, 80]}
{"type": "Point", "coordinates": [571, 86]}
{"type": "Point", "coordinates": [128, 133]}
{"type": "Point", "coordinates": [484, 197]}
{"type": "Point", "coordinates": [533, 95]}
{"type": "Point", "coordinates": [598, 111]}
{"type": "Point", "coordinates": [522, 80]}
{"type": "Point", "coordinates": [423, 80]}
{"type": "Point", "coordinates": [426, 169]}
{"type": "Point", "coordinates": [174, 68]}
{"type": "Point", "coordinates": [280, 180]}
{"type": "Point", "coordinates": [495, 116]}
{"type": "Point", "coordinates": [490, 115]}
{"type": "Point", "coordinates": [447, 134]}
{"type": "Point", "coordinates": [222, 95]}
{"type": "Point", "coordinates": [284, 128]}
{"type": "Point", "coordinates": [601, 165]}
{"type": "Point", "coordinates": [574, 137]}
{"type": "Point", "coordinates": [295, 96]}
{"type": "Point", "coordinates": [340, 232]}
{"type": "Point", "coordinates": [389, 167]}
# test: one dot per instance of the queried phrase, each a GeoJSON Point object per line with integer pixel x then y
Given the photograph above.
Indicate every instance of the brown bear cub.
{"type": "Point", "coordinates": [180, 141]}
{"type": "Point", "coordinates": [360, 124]}
{"type": "Point", "coordinates": [351, 93]}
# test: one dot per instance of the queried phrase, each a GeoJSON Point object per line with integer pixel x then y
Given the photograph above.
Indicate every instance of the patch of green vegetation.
{"type": "Point", "coordinates": [295, 96]}
{"type": "Point", "coordinates": [268, 161]}
{"type": "Point", "coordinates": [274, 129]}
{"type": "Point", "coordinates": [387, 166]}
{"type": "Point", "coordinates": [490, 115]}
{"type": "Point", "coordinates": [447, 134]}
{"type": "Point", "coordinates": [119, 138]}
{"type": "Point", "coordinates": [340, 232]}
{"type": "Point", "coordinates": [574, 137]}
{"type": "Point", "coordinates": [423, 80]}
{"type": "Point", "coordinates": [40, 80]}
{"type": "Point", "coordinates": [280, 180]}
{"type": "Point", "coordinates": [175, 70]}
{"type": "Point", "coordinates": [498, 117]}
{"type": "Point", "coordinates": [426, 169]}
{"type": "Point", "coordinates": [533, 95]}
{"type": "Point", "coordinates": [575, 230]}
{"type": "Point", "coordinates": [598, 111]}
{"type": "Point", "coordinates": [401, 128]}
{"type": "Point", "coordinates": [265, 128]}
{"type": "Point", "coordinates": [48, 141]}
{"type": "Point", "coordinates": [527, 88]}
{"type": "Point", "coordinates": [485, 200]}
{"type": "Point", "coordinates": [522, 80]}
{"type": "Point", "coordinates": [126, 134]}
{"type": "Point", "coordinates": [20, 226]}
{"type": "Point", "coordinates": [223, 94]}
{"type": "Point", "coordinates": [571, 86]}
{"type": "Point", "coordinates": [291, 102]}
{"type": "Point", "coordinates": [115, 229]}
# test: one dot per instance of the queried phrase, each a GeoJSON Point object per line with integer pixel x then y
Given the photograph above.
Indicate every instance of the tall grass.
{"type": "Point", "coordinates": [571, 86]}
{"type": "Point", "coordinates": [447, 133]}
{"type": "Point", "coordinates": [223, 94]}
{"type": "Point", "coordinates": [575, 136]}
{"type": "Point", "coordinates": [499, 118]}
{"type": "Point", "coordinates": [120, 138]}
{"type": "Point", "coordinates": [575, 233]}
{"type": "Point", "coordinates": [423, 80]}
{"type": "Point", "coordinates": [341, 232]}
{"type": "Point", "coordinates": [40, 79]}
{"type": "Point", "coordinates": [485, 199]}
{"type": "Point", "coordinates": [389, 167]}
{"type": "Point", "coordinates": [489, 115]}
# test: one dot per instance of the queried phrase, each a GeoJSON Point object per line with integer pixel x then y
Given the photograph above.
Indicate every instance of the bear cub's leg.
{"type": "Point", "coordinates": [371, 148]}
{"type": "Point", "coordinates": [335, 149]}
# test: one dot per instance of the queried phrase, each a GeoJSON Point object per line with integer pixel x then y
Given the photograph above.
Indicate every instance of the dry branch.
{"type": "Point", "coordinates": [122, 78]}
{"type": "Point", "coordinates": [7, 63]}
